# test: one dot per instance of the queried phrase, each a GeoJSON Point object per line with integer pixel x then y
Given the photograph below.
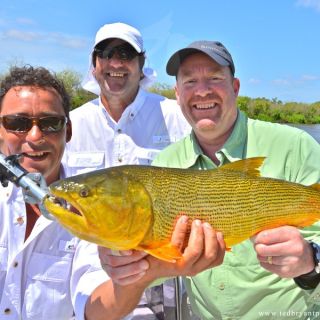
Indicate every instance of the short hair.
{"type": "Point", "coordinates": [35, 77]}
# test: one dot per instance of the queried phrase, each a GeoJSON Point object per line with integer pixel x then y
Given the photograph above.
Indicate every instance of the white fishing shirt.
{"type": "Point", "coordinates": [48, 276]}
{"type": "Point", "coordinates": [149, 124]}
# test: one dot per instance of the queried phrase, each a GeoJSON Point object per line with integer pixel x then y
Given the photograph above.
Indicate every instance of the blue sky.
{"type": "Point", "coordinates": [275, 44]}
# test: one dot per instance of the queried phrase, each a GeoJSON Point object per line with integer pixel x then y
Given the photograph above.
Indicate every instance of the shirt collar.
{"type": "Point", "coordinates": [231, 151]}
{"type": "Point", "coordinates": [131, 110]}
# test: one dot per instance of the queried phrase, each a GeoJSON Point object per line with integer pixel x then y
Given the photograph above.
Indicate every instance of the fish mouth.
{"type": "Point", "coordinates": [64, 205]}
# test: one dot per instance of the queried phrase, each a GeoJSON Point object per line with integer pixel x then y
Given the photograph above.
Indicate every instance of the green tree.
{"type": "Point", "coordinates": [72, 82]}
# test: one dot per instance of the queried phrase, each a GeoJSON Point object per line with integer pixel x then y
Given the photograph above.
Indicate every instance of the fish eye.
{"type": "Point", "coordinates": [84, 192]}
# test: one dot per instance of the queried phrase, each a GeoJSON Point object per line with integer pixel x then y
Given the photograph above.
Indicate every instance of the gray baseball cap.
{"type": "Point", "coordinates": [214, 49]}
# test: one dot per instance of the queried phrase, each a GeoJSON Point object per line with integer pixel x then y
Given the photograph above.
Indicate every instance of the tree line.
{"type": "Point", "coordinates": [272, 110]}
{"type": "Point", "coordinates": [265, 109]}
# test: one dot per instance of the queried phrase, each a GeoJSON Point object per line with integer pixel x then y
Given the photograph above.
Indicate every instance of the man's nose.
{"type": "Point", "coordinates": [115, 61]}
{"type": "Point", "coordinates": [203, 89]}
{"type": "Point", "coordinates": [34, 134]}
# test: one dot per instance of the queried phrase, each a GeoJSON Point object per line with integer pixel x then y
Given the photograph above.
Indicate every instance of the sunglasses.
{"type": "Point", "coordinates": [124, 52]}
{"type": "Point", "coordinates": [24, 124]}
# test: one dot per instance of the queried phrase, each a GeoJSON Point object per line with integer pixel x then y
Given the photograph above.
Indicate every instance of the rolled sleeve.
{"type": "Point", "coordinates": [87, 275]}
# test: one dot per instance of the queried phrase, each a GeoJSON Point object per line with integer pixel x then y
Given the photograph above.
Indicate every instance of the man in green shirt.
{"type": "Point", "coordinates": [275, 275]}
{"type": "Point", "coordinates": [261, 278]}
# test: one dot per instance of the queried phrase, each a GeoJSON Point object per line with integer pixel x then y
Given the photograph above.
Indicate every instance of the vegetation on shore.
{"type": "Point", "coordinates": [272, 110]}
{"type": "Point", "coordinates": [265, 109]}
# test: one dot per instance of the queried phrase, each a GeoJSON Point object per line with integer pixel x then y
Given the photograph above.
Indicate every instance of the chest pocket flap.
{"type": "Point", "coordinates": [85, 159]}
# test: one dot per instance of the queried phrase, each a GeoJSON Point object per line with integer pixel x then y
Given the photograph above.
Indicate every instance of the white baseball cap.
{"type": "Point", "coordinates": [121, 31]}
{"type": "Point", "coordinates": [126, 33]}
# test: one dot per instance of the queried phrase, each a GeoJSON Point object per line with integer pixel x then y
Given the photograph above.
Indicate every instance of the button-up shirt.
{"type": "Point", "coordinates": [240, 288]}
{"type": "Point", "coordinates": [150, 123]}
{"type": "Point", "coordinates": [51, 274]}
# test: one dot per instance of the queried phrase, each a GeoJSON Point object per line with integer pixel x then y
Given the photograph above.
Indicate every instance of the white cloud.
{"type": "Point", "coordinates": [295, 81]}
{"type": "Point", "coordinates": [281, 82]}
{"type": "Point", "coordinates": [68, 41]}
{"type": "Point", "coordinates": [254, 81]}
{"type": "Point", "coordinates": [20, 35]}
{"type": "Point", "coordinates": [59, 39]}
{"type": "Point", "coordinates": [308, 77]}
{"type": "Point", "coordinates": [313, 4]}
{"type": "Point", "coordinates": [25, 21]}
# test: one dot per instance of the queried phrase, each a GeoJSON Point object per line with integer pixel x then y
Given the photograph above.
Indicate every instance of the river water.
{"type": "Point", "coordinates": [312, 129]}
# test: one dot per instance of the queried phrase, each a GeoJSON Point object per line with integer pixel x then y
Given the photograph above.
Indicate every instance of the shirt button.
{"type": "Point", "coordinates": [20, 220]}
{"type": "Point", "coordinates": [119, 130]}
{"type": "Point", "coordinates": [15, 264]}
{"type": "Point", "coordinates": [7, 311]}
{"type": "Point", "coordinates": [221, 286]}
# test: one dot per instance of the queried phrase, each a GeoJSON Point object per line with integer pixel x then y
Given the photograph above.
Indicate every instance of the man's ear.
{"type": "Point", "coordinates": [69, 131]}
{"type": "Point", "coordinates": [177, 94]}
{"type": "Point", "coordinates": [236, 86]}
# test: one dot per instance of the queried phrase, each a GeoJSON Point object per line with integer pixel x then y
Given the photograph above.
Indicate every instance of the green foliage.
{"type": "Point", "coordinates": [273, 110]}
{"type": "Point", "coordinates": [276, 111]}
{"type": "Point", "coordinates": [163, 89]}
{"type": "Point", "coordinates": [72, 82]}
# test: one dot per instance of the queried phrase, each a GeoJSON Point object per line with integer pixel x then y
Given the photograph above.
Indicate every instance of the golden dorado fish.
{"type": "Point", "coordinates": [135, 207]}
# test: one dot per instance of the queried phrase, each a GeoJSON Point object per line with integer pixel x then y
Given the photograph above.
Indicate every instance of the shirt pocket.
{"type": "Point", "coordinates": [48, 286]}
{"type": "Point", "coordinates": [82, 162]}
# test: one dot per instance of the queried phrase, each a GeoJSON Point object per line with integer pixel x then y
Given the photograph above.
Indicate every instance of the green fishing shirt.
{"type": "Point", "coordinates": [240, 288]}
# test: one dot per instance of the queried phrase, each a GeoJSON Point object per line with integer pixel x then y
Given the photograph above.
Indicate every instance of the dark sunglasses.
{"type": "Point", "coordinates": [123, 51]}
{"type": "Point", "coordinates": [46, 124]}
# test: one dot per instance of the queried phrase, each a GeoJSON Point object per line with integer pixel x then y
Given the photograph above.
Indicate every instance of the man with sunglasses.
{"type": "Point", "coordinates": [125, 124]}
{"type": "Point", "coordinates": [45, 272]}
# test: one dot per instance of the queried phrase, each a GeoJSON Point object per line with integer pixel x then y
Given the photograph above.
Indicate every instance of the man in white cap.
{"type": "Point", "coordinates": [125, 124]}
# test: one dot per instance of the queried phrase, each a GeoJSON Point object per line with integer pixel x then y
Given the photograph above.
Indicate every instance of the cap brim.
{"type": "Point", "coordinates": [176, 59]}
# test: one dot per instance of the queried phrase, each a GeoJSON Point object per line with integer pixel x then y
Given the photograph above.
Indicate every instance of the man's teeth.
{"type": "Point", "coordinates": [204, 105]}
{"type": "Point", "coordinates": [34, 154]}
{"type": "Point", "coordinates": [116, 74]}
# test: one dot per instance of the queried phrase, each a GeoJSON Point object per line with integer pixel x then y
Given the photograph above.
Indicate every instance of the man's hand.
{"type": "Point", "coordinates": [284, 252]}
{"type": "Point", "coordinates": [123, 267]}
{"type": "Point", "coordinates": [205, 249]}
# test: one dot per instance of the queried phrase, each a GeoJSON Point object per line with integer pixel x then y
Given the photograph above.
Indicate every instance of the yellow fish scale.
{"type": "Point", "coordinates": [135, 207]}
{"type": "Point", "coordinates": [232, 202]}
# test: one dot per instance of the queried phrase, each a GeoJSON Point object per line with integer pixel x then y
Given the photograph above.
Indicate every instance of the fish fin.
{"type": "Point", "coordinates": [315, 186]}
{"type": "Point", "coordinates": [250, 166]}
{"type": "Point", "coordinates": [166, 252]}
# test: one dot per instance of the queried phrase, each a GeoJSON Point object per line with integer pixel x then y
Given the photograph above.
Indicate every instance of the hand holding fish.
{"type": "Point", "coordinates": [205, 250]}
{"type": "Point", "coordinates": [284, 252]}
{"type": "Point", "coordinates": [125, 267]}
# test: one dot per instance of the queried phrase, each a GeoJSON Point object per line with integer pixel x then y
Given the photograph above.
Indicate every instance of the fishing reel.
{"type": "Point", "coordinates": [34, 186]}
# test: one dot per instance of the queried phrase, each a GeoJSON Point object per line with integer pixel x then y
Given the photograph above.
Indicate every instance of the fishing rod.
{"type": "Point", "coordinates": [34, 186]}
